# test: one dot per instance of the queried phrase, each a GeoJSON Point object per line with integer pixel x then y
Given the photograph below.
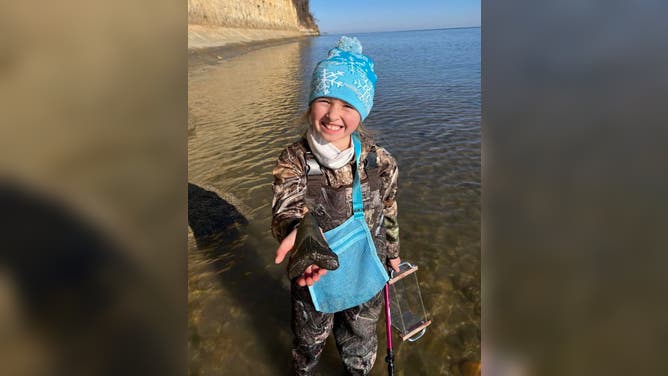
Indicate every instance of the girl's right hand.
{"type": "Point", "coordinates": [312, 273]}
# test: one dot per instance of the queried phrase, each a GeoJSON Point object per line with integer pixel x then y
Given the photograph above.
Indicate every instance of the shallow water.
{"type": "Point", "coordinates": [242, 112]}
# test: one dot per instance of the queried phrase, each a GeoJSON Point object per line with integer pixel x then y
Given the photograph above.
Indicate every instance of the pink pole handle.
{"type": "Point", "coordinates": [388, 317]}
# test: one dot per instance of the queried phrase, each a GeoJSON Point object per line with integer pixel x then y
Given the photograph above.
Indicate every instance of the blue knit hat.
{"type": "Point", "coordinates": [346, 74]}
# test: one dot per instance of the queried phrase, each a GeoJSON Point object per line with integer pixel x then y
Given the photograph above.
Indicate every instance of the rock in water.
{"type": "Point", "coordinates": [310, 248]}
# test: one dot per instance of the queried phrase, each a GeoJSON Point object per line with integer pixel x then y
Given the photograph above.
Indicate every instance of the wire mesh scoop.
{"type": "Point", "coordinates": [409, 317]}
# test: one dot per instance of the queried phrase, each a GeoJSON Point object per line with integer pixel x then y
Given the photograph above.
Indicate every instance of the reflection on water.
{"type": "Point", "coordinates": [242, 113]}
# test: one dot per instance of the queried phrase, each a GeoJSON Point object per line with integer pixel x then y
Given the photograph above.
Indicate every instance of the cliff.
{"type": "Point", "coordinates": [220, 22]}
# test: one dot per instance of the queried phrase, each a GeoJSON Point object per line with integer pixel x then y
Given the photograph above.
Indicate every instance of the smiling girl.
{"type": "Point", "coordinates": [349, 184]}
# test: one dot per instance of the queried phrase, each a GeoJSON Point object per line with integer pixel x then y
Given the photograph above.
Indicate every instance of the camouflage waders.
{"type": "Point", "coordinates": [300, 185]}
{"type": "Point", "coordinates": [354, 332]}
{"type": "Point", "coordinates": [355, 328]}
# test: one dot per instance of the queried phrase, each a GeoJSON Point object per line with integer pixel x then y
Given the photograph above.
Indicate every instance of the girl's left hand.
{"type": "Point", "coordinates": [394, 263]}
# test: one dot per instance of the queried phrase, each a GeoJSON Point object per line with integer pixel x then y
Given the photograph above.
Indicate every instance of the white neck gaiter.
{"type": "Point", "coordinates": [327, 154]}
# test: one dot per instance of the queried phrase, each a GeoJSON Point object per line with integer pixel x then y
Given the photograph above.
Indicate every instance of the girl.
{"type": "Point", "coordinates": [336, 173]}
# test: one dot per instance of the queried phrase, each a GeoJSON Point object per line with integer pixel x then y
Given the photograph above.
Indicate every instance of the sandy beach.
{"type": "Point", "coordinates": [201, 36]}
{"type": "Point", "coordinates": [208, 44]}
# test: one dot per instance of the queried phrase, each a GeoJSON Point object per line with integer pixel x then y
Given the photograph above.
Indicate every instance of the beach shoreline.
{"type": "Point", "coordinates": [208, 45]}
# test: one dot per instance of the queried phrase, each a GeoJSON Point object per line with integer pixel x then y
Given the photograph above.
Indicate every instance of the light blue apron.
{"type": "Point", "coordinates": [360, 275]}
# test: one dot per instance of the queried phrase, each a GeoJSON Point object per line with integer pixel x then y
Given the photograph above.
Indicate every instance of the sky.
{"type": "Point", "coordinates": [342, 16]}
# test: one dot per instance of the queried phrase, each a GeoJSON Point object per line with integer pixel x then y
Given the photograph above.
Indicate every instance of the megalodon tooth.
{"type": "Point", "coordinates": [310, 249]}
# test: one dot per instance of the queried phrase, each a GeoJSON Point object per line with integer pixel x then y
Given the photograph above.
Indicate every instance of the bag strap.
{"type": "Point", "coordinates": [313, 167]}
{"type": "Point", "coordinates": [314, 178]}
{"type": "Point", "coordinates": [371, 169]}
{"type": "Point", "coordinates": [358, 204]}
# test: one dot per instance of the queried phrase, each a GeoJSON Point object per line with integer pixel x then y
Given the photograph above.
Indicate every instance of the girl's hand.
{"type": "Point", "coordinates": [394, 263]}
{"type": "Point", "coordinates": [312, 273]}
{"type": "Point", "coordinates": [285, 246]}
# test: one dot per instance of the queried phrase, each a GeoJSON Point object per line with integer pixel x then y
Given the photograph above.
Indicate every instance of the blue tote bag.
{"type": "Point", "coordinates": [360, 275]}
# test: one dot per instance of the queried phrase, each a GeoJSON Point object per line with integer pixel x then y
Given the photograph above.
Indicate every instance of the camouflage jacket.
{"type": "Point", "coordinates": [290, 185]}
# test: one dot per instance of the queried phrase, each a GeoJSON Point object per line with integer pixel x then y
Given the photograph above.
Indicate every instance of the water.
{"type": "Point", "coordinates": [242, 113]}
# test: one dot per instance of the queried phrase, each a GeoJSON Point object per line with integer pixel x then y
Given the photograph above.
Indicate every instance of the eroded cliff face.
{"type": "Point", "coordinates": [288, 15]}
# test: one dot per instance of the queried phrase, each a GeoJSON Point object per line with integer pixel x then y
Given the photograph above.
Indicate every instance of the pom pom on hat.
{"type": "Point", "coordinates": [349, 44]}
{"type": "Point", "coordinates": [346, 74]}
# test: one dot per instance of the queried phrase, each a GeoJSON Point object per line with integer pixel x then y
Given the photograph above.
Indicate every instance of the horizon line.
{"type": "Point", "coordinates": [393, 31]}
